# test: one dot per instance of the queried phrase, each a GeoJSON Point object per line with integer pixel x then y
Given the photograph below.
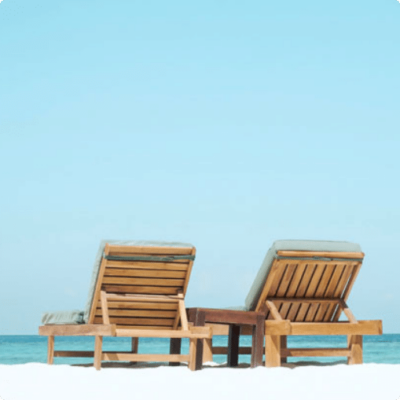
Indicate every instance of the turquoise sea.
{"type": "Point", "coordinates": [21, 349]}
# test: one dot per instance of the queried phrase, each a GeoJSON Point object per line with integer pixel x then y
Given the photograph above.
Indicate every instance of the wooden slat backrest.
{"type": "Point", "coordinates": [320, 279]}
{"type": "Point", "coordinates": [137, 272]}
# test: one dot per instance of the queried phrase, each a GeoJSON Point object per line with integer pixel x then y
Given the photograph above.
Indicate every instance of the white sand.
{"type": "Point", "coordinates": [61, 382]}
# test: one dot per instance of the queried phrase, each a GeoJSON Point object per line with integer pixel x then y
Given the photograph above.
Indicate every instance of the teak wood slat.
{"type": "Point", "coordinates": [321, 300]}
{"type": "Point", "coordinates": [138, 305]}
{"type": "Point", "coordinates": [349, 286]}
{"type": "Point", "coordinates": [109, 356]}
{"type": "Point", "coordinates": [273, 310]}
{"type": "Point", "coordinates": [308, 270]}
{"type": "Point", "coordinates": [144, 273]}
{"type": "Point", "coordinates": [182, 315]}
{"type": "Point", "coordinates": [311, 315]}
{"type": "Point", "coordinates": [294, 352]}
{"type": "Point", "coordinates": [152, 258]}
{"type": "Point", "coordinates": [333, 310]}
{"type": "Point", "coordinates": [143, 327]}
{"type": "Point", "coordinates": [311, 290]}
{"type": "Point", "coordinates": [138, 313]}
{"type": "Point", "coordinates": [320, 254]}
{"type": "Point", "coordinates": [286, 327]}
{"type": "Point", "coordinates": [271, 276]}
{"type": "Point", "coordinates": [104, 308]}
{"type": "Point", "coordinates": [140, 289]}
{"type": "Point", "coordinates": [153, 250]}
{"type": "Point", "coordinates": [124, 356]}
{"type": "Point", "coordinates": [330, 290]}
{"type": "Point", "coordinates": [283, 287]}
{"type": "Point", "coordinates": [316, 352]}
{"type": "Point", "coordinates": [144, 298]}
{"type": "Point", "coordinates": [111, 280]}
{"type": "Point", "coordinates": [77, 330]}
{"type": "Point", "coordinates": [151, 266]}
{"type": "Point", "coordinates": [286, 280]}
{"type": "Point", "coordinates": [292, 288]}
{"type": "Point", "coordinates": [194, 333]}
{"type": "Point", "coordinates": [138, 321]}
{"type": "Point", "coordinates": [280, 275]}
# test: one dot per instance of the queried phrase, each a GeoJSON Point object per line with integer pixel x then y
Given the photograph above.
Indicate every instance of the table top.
{"type": "Point", "coordinates": [224, 316]}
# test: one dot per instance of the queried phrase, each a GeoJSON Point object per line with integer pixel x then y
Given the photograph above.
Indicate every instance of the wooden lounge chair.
{"type": "Point", "coordinates": [302, 288]}
{"type": "Point", "coordinates": [137, 290]}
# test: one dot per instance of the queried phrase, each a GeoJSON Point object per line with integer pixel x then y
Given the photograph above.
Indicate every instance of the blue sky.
{"type": "Point", "coordinates": [224, 124]}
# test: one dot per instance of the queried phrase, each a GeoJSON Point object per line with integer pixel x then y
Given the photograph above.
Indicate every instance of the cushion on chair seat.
{"type": "Point", "coordinates": [63, 317]}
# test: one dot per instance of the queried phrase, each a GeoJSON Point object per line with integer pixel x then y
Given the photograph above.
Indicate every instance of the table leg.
{"type": "Point", "coordinates": [283, 346]}
{"type": "Point", "coordinates": [175, 348]}
{"type": "Point", "coordinates": [200, 320]}
{"type": "Point", "coordinates": [233, 345]}
{"type": "Point", "coordinates": [257, 348]}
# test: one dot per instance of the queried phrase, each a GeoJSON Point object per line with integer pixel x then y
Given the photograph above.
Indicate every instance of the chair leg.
{"type": "Point", "coordinates": [50, 350]}
{"type": "Point", "coordinates": [199, 354]}
{"type": "Point", "coordinates": [207, 350]}
{"type": "Point", "coordinates": [200, 320]}
{"type": "Point", "coordinates": [283, 346]}
{"type": "Point", "coordinates": [135, 345]}
{"type": "Point", "coordinates": [272, 351]}
{"type": "Point", "coordinates": [175, 348]}
{"type": "Point", "coordinates": [355, 344]}
{"type": "Point", "coordinates": [192, 354]}
{"type": "Point", "coordinates": [233, 345]}
{"type": "Point", "coordinates": [98, 352]}
{"type": "Point", "coordinates": [135, 348]}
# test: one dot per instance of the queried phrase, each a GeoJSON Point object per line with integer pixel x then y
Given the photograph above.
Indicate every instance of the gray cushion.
{"type": "Point", "coordinates": [299, 245]}
{"type": "Point", "coordinates": [68, 317]}
{"type": "Point", "coordinates": [236, 308]}
{"type": "Point", "coordinates": [63, 317]}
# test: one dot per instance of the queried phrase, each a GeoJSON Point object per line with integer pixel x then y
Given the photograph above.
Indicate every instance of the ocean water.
{"type": "Point", "coordinates": [384, 349]}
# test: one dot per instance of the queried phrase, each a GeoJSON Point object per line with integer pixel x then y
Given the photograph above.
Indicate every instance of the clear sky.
{"type": "Point", "coordinates": [224, 124]}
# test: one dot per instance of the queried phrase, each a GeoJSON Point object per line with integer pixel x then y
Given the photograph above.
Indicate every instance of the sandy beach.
{"type": "Point", "coordinates": [61, 382]}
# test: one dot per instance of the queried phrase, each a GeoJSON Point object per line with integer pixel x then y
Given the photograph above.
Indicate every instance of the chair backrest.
{"type": "Point", "coordinates": [309, 285]}
{"type": "Point", "coordinates": [143, 284]}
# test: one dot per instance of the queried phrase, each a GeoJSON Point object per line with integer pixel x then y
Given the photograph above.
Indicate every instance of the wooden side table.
{"type": "Point", "coordinates": [235, 319]}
